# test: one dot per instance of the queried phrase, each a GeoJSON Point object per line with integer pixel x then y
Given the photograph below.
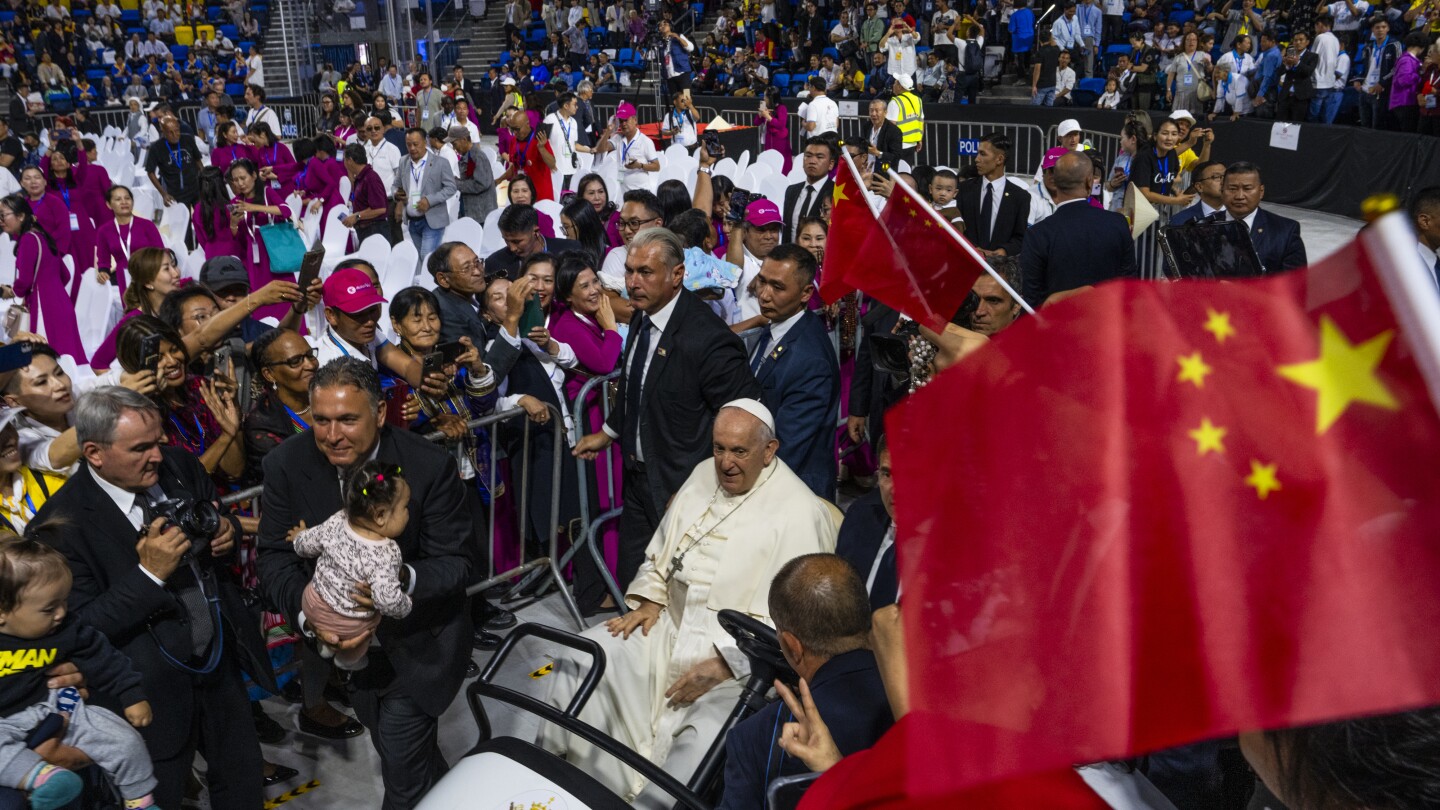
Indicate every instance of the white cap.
{"type": "Point", "coordinates": [905, 81]}
{"type": "Point", "coordinates": [1068, 126]}
{"type": "Point", "coordinates": [1179, 115]}
{"type": "Point", "coordinates": [755, 408]}
{"type": "Point", "coordinates": [508, 80]}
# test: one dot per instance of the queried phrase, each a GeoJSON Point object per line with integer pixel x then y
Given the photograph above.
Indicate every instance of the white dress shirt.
{"type": "Point", "coordinates": [778, 331]}
{"type": "Point", "coordinates": [554, 369]}
{"type": "Point", "coordinates": [129, 505]}
{"type": "Point", "coordinates": [385, 160]}
{"type": "Point", "coordinates": [797, 210]}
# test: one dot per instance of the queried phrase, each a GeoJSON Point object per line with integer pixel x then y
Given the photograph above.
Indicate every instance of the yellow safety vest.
{"type": "Point", "coordinates": [912, 118]}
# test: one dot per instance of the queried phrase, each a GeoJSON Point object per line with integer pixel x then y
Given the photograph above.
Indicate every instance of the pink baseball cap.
{"type": "Point", "coordinates": [350, 291]}
{"type": "Point", "coordinates": [1053, 155]}
{"type": "Point", "coordinates": [762, 212]}
{"type": "Point", "coordinates": [625, 110]}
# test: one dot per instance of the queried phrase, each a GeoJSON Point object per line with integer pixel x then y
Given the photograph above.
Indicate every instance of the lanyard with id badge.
{"type": "Point", "coordinates": [416, 172]}
{"type": "Point", "coordinates": [74, 218]}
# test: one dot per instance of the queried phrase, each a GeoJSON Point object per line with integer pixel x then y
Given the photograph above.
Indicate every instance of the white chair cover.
{"type": "Point", "coordinates": [193, 263]}
{"type": "Point", "coordinates": [743, 163]}
{"type": "Point", "coordinates": [334, 237]}
{"type": "Point", "coordinates": [490, 239]}
{"type": "Point", "coordinates": [8, 184]}
{"type": "Point", "coordinates": [726, 167]}
{"type": "Point", "coordinates": [397, 273]}
{"type": "Point", "coordinates": [97, 309]}
{"type": "Point", "coordinates": [173, 222]}
{"type": "Point", "coordinates": [309, 226]}
{"type": "Point", "coordinates": [771, 158]}
{"type": "Point", "coordinates": [7, 260]}
{"type": "Point", "coordinates": [551, 209]}
{"type": "Point", "coordinates": [345, 189]}
{"type": "Point", "coordinates": [376, 250]}
{"type": "Point", "coordinates": [467, 230]}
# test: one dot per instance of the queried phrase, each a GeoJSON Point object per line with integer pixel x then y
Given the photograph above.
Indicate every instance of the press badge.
{"type": "Point", "coordinates": [74, 222]}
{"type": "Point", "coordinates": [415, 205]}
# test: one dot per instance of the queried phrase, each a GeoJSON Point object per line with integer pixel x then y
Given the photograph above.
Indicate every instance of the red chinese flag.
{"type": "Point", "coordinates": [914, 263]}
{"type": "Point", "coordinates": [874, 779]}
{"type": "Point", "coordinates": [1162, 513]}
{"type": "Point", "coordinates": [851, 220]}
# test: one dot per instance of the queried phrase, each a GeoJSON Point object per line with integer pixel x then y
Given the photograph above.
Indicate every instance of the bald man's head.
{"type": "Point", "coordinates": [820, 608]}
{"type": "Point", "coordinates": [1072, 174]}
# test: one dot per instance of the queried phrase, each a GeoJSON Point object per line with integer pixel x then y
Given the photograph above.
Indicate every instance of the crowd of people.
{"type": "Point", "coordinates": [740, 407]}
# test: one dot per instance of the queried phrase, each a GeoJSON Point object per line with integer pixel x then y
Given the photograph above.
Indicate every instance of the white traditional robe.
{"type": "Point", "coordinates": [746, 540]}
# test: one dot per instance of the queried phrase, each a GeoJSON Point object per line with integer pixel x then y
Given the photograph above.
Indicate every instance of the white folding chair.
{"type": "Point", "coordinates": [296, 206]}
{"type": "Point", "coordinates": [771, 188]}
{"type": "Point", "coordinates": [7, 259]}
{"type": "Point", "coordinates": [174, 221]}
{"type": "Point", "coordinates": [549, 208]}
{"type": "Point", "coordinates": [309, 226]}
{"type": "Point", "coordinates": [771, 158]}
{"type": "Point", "coordinates": [398, 272]}
{"type": "Point", "coordinates": [490, 239]}
{"type": "Point", "coordinates": [345, 187]}
{"type": "Point", "coordinates": [676, 150]}
{"type": "Point", "coordinates": [375, 250]}
{"type": "Point", "coordinates": [743, 162]}
{"type": "Point", "coordinates": [726, 167]}
{"type": "Point", "coordinates": [334, 236]}
{"type": "Point", "coordinates": [465, 229]}
{"type": "Point", "coordinates": [8, 184]}
{"type": "Point", "coordinates": [93, 311]}
{"type": "Point", "coordinates": [191, 268]}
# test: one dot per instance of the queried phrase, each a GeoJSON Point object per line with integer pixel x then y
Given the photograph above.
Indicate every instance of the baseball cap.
{"type": "Point", "coordinates": [350, 291]}
{"type": "Point", "coordinates": [905, 81]}
{"type": "Point", "coordinates": [1068, 126]}
{"type": "Point", "coordinates": [1053, 155]}
{"type": "Point", "coordinates": [456, 133]}
{"type": "Point", "coordinates": [223, 272]}
{"type": "Point", "coordinates": [1182, 115]}
{"type": "Point", "coordinates": [508, 80]}
{"type": "Point", "coordinates": [151, 106]}
{"type": "Point", "coordinates": [625, 110]}
{"type": "Point", "coordinates": [762, 212]}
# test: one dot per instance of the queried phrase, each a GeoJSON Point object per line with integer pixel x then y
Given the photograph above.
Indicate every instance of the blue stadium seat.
{"type": "Point", "coordinates": [244, 46]}
{"type": "Point", "coordinates": [130, 15]}
{"type": "Point", "coordinates": [625, 55]}
{"type": "Point", "coordinates": [7, 16]}
{"type": "Point", "coordinates": [95, 74]}
{"type": "Point", "coordinates": [1181, 17]}
{"type": "Point", "coordinates": [236, 90]}
{"type": "Point", "coordinates": [180, 52]}
{"type": "Point", "coordinates": [214, 13]}
{"type": "Point", "coordinates": [228, 31]}
{"type": "Point", "coordinates": [136, 29]}
{"type": "Point", "coordinates": [832, 53]}
{"type": "Point", "coordinates": [1118, 49]}
{"type": "Point", "coordinates": [1096, 86]}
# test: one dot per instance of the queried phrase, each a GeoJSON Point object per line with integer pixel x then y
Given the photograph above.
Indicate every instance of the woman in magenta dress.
{"type": "Point", "coordinates": [48, 208]}
{"type": "Point", "coordinates": [211, 217]}
{"type": "Point", "coordinates": [315, 173]}
{"type": "Point", "coordinates": [776, 121]}
{"type": "Point", "coordinates": [41, 279]}
{"type": "Point", "coordinates": [255, 205]}
{"type": "Point", "coordinates": [63, 179]}
{"type": "Point", "coordinates": [229, 147]}
{"type": "Point", "coordinates": [124, 234]}
{"type": "Point", "coordinates": [584, 320]}
{"type": "Point", "coordinates": [272, 155]}
{"type": "Point", "coordinates": [153, 275]}
{"type": "Point", "coordinates": [592, 188]}
{"type": "Point", "coordinates": [521, 191]}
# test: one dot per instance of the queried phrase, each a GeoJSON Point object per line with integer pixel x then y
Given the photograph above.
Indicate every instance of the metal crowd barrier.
{"type": "Point", "coordinates": [531, 569]}
{"type": "Point", "coordinates": [951, 143]}
{"type": "Point", "coordinates": [605, 461]}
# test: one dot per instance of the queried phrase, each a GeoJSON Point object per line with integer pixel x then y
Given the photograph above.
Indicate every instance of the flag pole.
{"type": "Point", "coordinates": [963, 242]}
{"type": "Point", "coordinates": [1391, 243]}
{"type": "Point", "coordinates": [870, 199]}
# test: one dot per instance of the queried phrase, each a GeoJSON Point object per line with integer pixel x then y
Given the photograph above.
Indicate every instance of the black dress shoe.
{"type": "Point", "coordinates": [350, 728]}
{"type": "Point", "coordinates": [472, 669]}
{"type": "Point", "coordinates": [269, 731]}
{"type": "Point", "coordinates": [499, 619]}
{"type": "Point", "coordinates": [485, 640]}
{"type": "Point", "coordinates": [337, 694]}
{"type": "Point", "coordinates": [293, 691]}
{"type": "Point", "coordinates": [281, 774]}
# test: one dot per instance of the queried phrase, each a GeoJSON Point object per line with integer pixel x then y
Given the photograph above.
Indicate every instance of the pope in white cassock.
{"type": "Point", "coordinates": [672, 675]}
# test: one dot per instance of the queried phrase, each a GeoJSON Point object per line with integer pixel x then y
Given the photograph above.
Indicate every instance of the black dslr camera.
{"type": "Point", "coordinates": [199, 520]}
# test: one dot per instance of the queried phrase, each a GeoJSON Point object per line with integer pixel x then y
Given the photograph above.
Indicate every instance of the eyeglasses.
{"type": "Point", "coordinates": [1220, 176]}
{"type": "Point", "coordinates": [636, 224]}
{"type": "Point", "coordinates": [202, 316]}
{"type": "Point", "coordinates": [295, 362]}
{"type": "Point", "coordinates": [474, 267]}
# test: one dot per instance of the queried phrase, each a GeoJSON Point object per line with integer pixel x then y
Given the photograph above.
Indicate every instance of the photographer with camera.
{"type": "Point", "coordinates": [168, 601]}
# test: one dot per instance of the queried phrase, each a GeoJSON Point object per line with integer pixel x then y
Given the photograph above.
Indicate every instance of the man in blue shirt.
{"type": "Point", "coordinates": [1022, 38]}
{"type": "Point", "coordinates": [1092, 21]}
{"type": "Point", "coordinates": [1267, 75]}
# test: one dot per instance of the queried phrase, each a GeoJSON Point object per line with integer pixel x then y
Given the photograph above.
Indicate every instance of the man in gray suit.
{"type": "Point", "coordinates": [422, 186]}
{"type": "Point", "coordinates": [475, 180]}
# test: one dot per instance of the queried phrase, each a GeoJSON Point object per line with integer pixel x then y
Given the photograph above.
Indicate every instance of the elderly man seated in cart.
{"type": "Point", "coordinates": [672, 674]}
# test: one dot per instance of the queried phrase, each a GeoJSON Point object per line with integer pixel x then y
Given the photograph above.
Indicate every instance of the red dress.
{"type": "Point", "coordinates": [526, 155]}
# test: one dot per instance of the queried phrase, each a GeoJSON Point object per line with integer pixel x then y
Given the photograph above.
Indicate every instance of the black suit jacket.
{"type": "Point", "coordinates": [429, 647]}
{"type": "Point", "coordinates": [792, 195]}
{"type": "Point", "coordinates": [697, 366]}
{"type": "Point", "coordinates": [872, 391]}
{"type": "Point", "coordinates": [850, 696]}
{"type": "Point", "coordinates": [112, 594]}
{"type": "Point", "coordinates": [1299, 81]}
{"type": "Point", "coordinates": [861, 534]}
{"type": "Point", "coordinates": [1010, 219]}
{"type": "Point", "coordinates": [503, 259]}
{"type": "Point", "coordinates": [800, 384]}
{"type": "Point", "coordinates": [1075, 246]}
{"type": "Point", "coordinates": [890, 143]}
{"type": "Point", "coordinates": [1277, 240]}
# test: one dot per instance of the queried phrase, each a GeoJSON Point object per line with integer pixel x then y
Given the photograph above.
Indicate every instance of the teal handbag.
{"type": "Point", "coordinates": [284, 247]}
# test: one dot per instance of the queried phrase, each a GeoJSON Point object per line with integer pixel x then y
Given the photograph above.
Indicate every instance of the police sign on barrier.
{"type": "Point", "coordinates": [968, 146]}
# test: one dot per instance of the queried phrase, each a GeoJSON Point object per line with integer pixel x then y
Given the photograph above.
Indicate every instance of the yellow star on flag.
{"type": "Point", "coordinates": [839, 193]}
{"type": "Point", "coordinates": [1342, 374]}
{"type": "Point", "coordinates": [1208, 437]}
{"type": "Point", "coordinates": [928, 223]}
{"type": "Point", "coordinates": [1218, 324]}
{"type": "Point", "coordinates": [1192, 369]}
{"type": "Point", "coordinates": [912, 211]}
{"type": "Point", "coordinates": [1262, 479]}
